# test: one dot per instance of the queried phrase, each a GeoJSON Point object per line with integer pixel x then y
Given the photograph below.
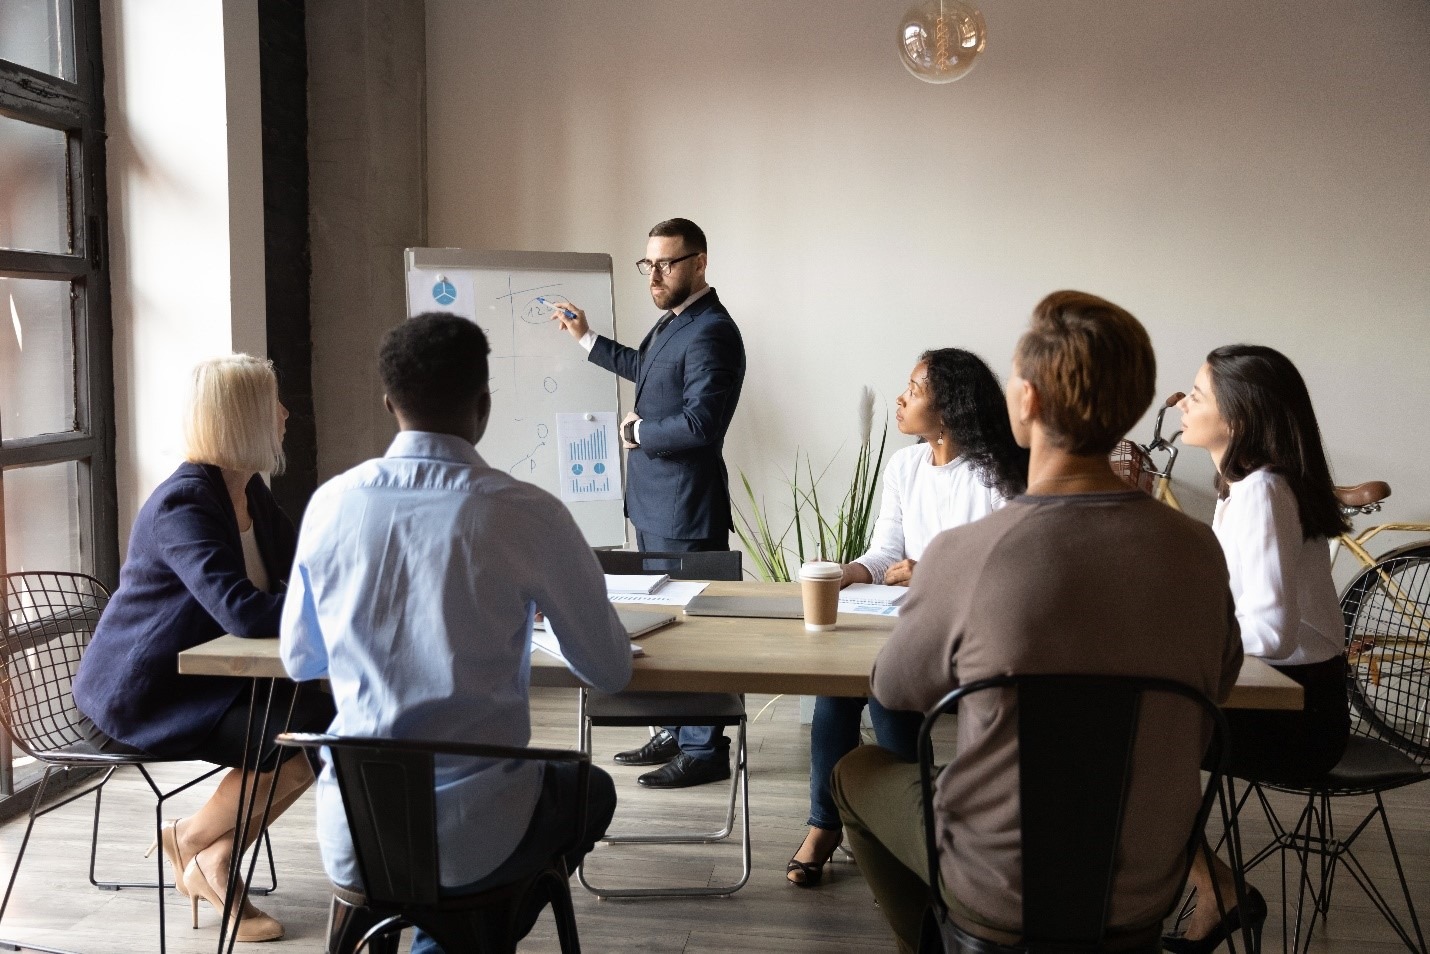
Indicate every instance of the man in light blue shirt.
{"type": "Point", "coordinates": [412, 592]}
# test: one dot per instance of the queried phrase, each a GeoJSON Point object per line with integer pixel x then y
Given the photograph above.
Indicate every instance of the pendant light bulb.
{"type": "Point", "coordinates": [939, 40]}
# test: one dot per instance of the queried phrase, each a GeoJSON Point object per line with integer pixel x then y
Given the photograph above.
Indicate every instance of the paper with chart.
{"type": "Point", "coordinates": [586, 456]}
{"type": "Point", "coordinates": [538, 372]}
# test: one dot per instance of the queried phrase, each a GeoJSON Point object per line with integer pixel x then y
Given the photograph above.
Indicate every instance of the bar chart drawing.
{"type": "Point", "coordinates": [589, 467]}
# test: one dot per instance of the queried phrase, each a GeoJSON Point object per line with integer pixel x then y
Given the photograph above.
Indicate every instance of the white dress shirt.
{"type": "Point", "coordinates": [412, 592]}
{"type": "Point", "coordinates": [1285, 597]}
{"type": "Point", "coordinates": [921, 500]}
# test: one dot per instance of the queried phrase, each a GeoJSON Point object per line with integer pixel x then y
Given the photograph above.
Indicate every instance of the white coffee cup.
{"type": "Point", "coordinates": [819, 585]}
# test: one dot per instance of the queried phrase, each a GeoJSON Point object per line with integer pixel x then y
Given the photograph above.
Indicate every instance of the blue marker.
{"type": "Point", "coordinates": [565, 311]}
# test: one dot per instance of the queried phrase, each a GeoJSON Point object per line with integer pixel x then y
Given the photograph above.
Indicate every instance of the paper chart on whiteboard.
{"type": "Point", "coordinates": [587, 461]}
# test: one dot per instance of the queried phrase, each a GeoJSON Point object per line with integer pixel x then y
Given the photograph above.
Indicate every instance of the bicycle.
{"type": "Point", "coordinates": [1386, 606]}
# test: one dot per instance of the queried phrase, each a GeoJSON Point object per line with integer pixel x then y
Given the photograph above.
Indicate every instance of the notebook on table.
{"type": "Point", "coordinates": [760, 607]}
{"type": "Point", "coordinates": [638, 623]}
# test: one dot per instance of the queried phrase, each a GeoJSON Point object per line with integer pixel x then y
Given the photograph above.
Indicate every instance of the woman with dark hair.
{"type": "Point", "coordinates": [1276, 508]}
{"type": "Point", "coordinates": [965, 465]}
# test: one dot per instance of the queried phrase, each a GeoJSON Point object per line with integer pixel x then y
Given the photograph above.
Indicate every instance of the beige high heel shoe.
{"type": "Point", "coordinates": [169, 838]}
{"type": "Point", "coordinates": [252, 924]}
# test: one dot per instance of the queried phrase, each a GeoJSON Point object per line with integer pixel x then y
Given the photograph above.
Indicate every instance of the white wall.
{"type": "Point", "coordinates": [1227, 171]}
{"type": "Point", "coordinates": [186, 214]}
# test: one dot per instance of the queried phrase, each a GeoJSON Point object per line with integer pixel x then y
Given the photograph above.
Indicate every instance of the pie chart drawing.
{"type": "Point", "coordinates": [444, 292]}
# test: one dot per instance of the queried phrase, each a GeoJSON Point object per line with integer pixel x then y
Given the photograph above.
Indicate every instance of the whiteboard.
{"type": "Point", "coordinates": [537, 370]}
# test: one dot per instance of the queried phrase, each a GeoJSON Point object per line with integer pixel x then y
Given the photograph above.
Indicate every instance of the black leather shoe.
{"type": "Point", "coordinates": [684, 771]}
{"type": "Point", "coordinates": [661, 748]}
{"type": "Point", "coordinates": [1252, 913]}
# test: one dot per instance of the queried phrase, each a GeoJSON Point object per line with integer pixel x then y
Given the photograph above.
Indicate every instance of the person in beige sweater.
{"type": "Point", "coordinates": [1079, 575]}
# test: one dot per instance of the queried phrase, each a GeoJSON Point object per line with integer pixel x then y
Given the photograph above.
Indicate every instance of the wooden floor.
{"type": "Point", "coordinates": [55, 906]}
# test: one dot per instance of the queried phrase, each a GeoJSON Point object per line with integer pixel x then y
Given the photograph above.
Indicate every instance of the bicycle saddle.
{"type": "Point", "coordinates": [1363, 495]}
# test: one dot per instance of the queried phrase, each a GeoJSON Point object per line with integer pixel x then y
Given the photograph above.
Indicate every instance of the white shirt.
{"type": "Point", "coordinates": [921, 501]}
{"type": "Point", "coordinates": [412, 591]}
{"type": "Point", "coordinates": [1285, 597]}
{"type": "Point", "coordinates": [253, 559]}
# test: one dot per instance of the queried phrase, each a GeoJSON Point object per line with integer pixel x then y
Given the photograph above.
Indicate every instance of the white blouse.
{"type": "Point", "coordinates": [921, 501]}
{"type": "Point", "coordinates": [253, 560]}
{"type": "Point", "coordinates": [1285, 597]}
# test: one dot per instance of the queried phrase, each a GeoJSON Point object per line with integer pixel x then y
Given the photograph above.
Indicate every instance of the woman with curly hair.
{"type": "Point", "coordinates": [965, 465]}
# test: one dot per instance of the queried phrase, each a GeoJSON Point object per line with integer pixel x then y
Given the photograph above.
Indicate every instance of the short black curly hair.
{"type": "Point", "coordinates": [434, 365]}
{"type": "Point", "coordinates": [971, 405]}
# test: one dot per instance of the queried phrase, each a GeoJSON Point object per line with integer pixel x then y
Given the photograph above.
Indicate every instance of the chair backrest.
{"type": "Point", "coordinates": [46, 622]}
{"type": "Point", "coordinates": [707, 565]}
{"type": "Point", "coordinates": [1387, 616]}
{"type": "Point", "coordinates": [1076, 738]}
{"type": "Point", "coordinates": [388, 792]}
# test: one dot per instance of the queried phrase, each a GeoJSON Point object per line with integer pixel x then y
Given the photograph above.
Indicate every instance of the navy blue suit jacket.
{"type": "Point", "coordinates": [183, 584]}
{"type": "Point", "coordinates": [687, 385]}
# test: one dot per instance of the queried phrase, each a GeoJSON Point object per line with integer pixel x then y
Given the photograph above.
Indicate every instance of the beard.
{"type": "Point", "coordinates": [670, 294]}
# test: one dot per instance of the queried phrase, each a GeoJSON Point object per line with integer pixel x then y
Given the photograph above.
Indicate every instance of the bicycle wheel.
{"type": "Point", "coordinates": [1387, 615]}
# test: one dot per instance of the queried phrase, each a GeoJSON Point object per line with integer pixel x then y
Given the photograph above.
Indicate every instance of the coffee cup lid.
{"type": "Point", "coordinates": [820, 570]}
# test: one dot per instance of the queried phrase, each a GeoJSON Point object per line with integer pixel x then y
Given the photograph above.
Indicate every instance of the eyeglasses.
{"type": "Point", "coordinates": [645, 266]}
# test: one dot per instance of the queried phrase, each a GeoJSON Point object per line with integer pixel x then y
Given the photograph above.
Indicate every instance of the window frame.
{"type": "Point", "coordinates": [77, 108]}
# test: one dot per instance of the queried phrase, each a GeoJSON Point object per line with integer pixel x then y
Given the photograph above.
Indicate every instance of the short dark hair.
{"type": "Point", "coordinates": [1264, 402]}
{"type": "Point", "coordinates": [434, 365]}
{"type": "Point", "coordinates": [1094, 369]}
{"type": "Point", "coordinates": [971, 405]}
{"type": "Point", "coordinates": [684, 229]}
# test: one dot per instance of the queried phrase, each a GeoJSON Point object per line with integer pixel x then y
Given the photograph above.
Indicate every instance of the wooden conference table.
{"type": "Point", "coordinates": [727, 654]}
{"type": "Point", "coordinates": [720, 654]}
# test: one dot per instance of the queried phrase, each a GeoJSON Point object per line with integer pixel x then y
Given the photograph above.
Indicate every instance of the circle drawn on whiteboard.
{"type": "Point", "coordinates": [444, 292]}
{"type": "Point", "coordinates": [550, 385]}
{"type": "Point", "coordinates": [576, 469]}
{"type": "Point", "coordinates": [542, 430]}
{"type": "Point", "coordinates": [599, 468]}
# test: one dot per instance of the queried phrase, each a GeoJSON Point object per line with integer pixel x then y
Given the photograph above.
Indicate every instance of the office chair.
{"type": "Point", "coordinates": [46, 622]}
{"type": "Point", "coordinates": [673, 708]}
{"type": "Point", "coordinates": [1075, 749]}
{"type": "Point", "coordinates": [388, 790]}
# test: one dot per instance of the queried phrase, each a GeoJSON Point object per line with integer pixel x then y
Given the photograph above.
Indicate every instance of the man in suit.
{"type": "Point", "coordinates": [688, 372]}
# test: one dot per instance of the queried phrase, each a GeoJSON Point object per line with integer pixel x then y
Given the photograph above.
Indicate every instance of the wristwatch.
{"type": "Point", "coordinates": [628, 431]}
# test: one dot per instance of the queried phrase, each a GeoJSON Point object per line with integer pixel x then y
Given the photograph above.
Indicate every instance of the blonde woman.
{"type": "Point", "coordinates": [209, 554]}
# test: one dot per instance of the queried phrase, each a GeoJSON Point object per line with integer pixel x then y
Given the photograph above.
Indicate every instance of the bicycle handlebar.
{"type": "Point", "coordinates": [1167, 405]}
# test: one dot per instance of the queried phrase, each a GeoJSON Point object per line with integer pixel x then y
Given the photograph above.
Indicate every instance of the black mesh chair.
{"type": "Point", "coordinates": [388, 789]}
{"type": "Point", "coordinates": [674, 708]}
{"type": "Point", "coordinates": [1387, 616]}
{"type": "Point", "coordinates": [1076, 739]}
{"type": "Point", "coordinates": [46, 622]}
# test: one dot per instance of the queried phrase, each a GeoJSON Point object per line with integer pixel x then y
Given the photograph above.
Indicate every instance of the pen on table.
{"type": "Point", "coordinates": [565, 311]}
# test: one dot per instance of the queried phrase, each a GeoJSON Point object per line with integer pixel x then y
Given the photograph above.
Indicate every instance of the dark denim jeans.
{"type": "Point", "coordinates": [552, 826]}
{"type": "Point", "coordinates": [835, 733]}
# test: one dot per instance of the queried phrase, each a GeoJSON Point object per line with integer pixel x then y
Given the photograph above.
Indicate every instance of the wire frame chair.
{"type": "Point", "coordinates": [1132, 464]}
{"type": "Point", "coordinates": [46, 622]}
{"type": "Point", "coordinates": [1387, 615]}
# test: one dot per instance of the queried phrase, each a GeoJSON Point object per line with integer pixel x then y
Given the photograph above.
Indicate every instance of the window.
{"type": "Point", "coordinates": [57, 493]}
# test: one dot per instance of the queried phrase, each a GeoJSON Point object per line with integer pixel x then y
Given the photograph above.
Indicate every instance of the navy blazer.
{"type": "Point", "coordinates": [183, 584]}
{"type": "Point", "coordinates": [687, 385]}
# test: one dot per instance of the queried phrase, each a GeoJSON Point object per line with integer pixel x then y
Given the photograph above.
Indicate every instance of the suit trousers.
{"type": "Point", "coordinates": [696, 741]}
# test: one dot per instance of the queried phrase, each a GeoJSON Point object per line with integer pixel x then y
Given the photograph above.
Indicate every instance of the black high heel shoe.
{"type": "Point", "coordinates": [1252, 912]}
{"type": "Point", "coordinates": [811, 873]}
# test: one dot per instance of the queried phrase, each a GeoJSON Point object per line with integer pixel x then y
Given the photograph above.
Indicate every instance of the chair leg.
{"type": "Point", "coordinates": [352, 928]}
{"type": "Point", "coordinates": [739, 783]}
{"type": "Point", "coordinates": [9, 945]}
{"type": "Point", "coordinates": [565, 913]}
{"type": "Point", "coordinates": [25, 841]}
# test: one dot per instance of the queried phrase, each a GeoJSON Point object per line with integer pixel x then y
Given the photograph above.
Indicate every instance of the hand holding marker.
{"type": "Point", "coordinates": [572, 319]}
{"type": "Point", "coordinates": [558, 306]}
